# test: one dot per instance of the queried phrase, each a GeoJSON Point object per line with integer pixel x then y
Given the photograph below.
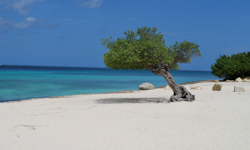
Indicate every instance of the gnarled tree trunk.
{"type": "Point", "coordinates": [180, 92]}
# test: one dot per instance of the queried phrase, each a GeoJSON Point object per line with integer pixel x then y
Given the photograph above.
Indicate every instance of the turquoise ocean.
{"type": "Point", "coordinates": [26, 82]}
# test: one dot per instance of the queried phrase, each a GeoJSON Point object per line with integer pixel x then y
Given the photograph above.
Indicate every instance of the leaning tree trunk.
{"type": "Point", "coordinates": [180, 92]}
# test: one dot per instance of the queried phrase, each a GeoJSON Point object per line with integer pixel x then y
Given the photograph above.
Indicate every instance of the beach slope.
{"type": "Point", "coordinates": [139, 120]}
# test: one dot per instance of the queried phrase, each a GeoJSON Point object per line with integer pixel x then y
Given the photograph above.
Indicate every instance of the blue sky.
{"type": "Point", "coordinates": [68, 32]}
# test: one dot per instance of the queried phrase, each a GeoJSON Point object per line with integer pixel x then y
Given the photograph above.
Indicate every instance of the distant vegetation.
{"type": "Point", "coordinates": [231, 67]}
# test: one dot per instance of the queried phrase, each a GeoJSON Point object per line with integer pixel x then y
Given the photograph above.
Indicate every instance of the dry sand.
{"type": "Point", "coordinates": [130, 121]}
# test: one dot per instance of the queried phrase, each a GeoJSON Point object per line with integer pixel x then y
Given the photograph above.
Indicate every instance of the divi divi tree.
{"type": "Point", "coordinates": [145, 49]}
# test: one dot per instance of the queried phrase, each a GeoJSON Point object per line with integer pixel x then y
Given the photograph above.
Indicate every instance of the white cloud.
{"type": "Point", "coordinates": [7, 24]}
{"type": "Point", "coordinates": [89, 3]}
{"type": "Point", "coordinates": [30, 19]}
{"type": "Point", "coordinates": [23, 7]}
{"type": "Point", "coordinates": [4, 24]}
{"type": "Point", "coordinates": [29, 22]}
{"type": "Point", "coordinates": [21, 4]}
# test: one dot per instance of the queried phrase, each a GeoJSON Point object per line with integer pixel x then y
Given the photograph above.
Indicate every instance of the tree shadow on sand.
{"type": "Point", "coordinates": [132, 100]}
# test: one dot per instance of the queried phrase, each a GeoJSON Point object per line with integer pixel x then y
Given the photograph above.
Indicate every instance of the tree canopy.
{"type": "Point", "coordinates": [144, 48]}
{"type": "Point", "coordinates": [231, 67]}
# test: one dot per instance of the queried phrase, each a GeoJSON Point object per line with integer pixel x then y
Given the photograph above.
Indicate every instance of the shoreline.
{"type": "Point", "coordinates": [124, 91]}
{"type": "Point", "coordinates": [130, 121]}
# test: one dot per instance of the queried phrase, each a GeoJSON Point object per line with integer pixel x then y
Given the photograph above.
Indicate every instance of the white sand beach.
{"type": "Point", "coordinates": [130, 121]}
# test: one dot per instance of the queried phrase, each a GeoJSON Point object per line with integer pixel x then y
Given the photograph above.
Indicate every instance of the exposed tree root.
{"type": "Point", "coordinates": [182, 95]}
{"type": "Point", "coordinates": [180, 92]}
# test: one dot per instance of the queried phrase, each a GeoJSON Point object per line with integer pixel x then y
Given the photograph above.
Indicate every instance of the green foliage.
{"type": "Point", "coordinates": [184, 52]}
{"type": "Point", "coordinates": [231, 67]}
{"type": "Point", "coordinates": [146, 47]}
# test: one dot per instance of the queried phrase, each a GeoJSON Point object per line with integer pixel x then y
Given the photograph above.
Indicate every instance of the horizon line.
{"type": "Point", "coordinates": [9, 65]}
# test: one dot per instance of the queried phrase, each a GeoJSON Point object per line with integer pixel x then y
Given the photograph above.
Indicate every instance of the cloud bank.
{"type": "Point", "coordinates": [23, 7]}
{"type": "Point", "coordinates": [90, 3]}
{"type": "Point", "coordinates": [7, 24]}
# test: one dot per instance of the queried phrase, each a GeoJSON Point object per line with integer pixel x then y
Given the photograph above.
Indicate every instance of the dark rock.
{"type": "Point", "coordinates": [217, 87]}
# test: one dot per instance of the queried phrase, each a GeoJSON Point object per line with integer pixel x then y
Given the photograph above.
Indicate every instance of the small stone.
{"type": "Point", "coordinates": [216, 81]}
{"type": "Point", "coordinates": [228, 81]}
{"type": "Point", "coordinates": [167, 87]}
{"type": "Point", "coordinates": [238, 79]}
{"type": "Point", "coordinates": [246, 80]}
{"type": "Point", "coordinates": [146, 86]}
{"type": "Point", "coordinates": [195, 87]}
{"type": "Point", "coordinates": [239, 89]}
{"type": "Point", "coordinates": [217, 87]}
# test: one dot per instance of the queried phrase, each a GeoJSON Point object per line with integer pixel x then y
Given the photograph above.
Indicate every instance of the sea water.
{"type": "Point", "coordinates": [26, 82]}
